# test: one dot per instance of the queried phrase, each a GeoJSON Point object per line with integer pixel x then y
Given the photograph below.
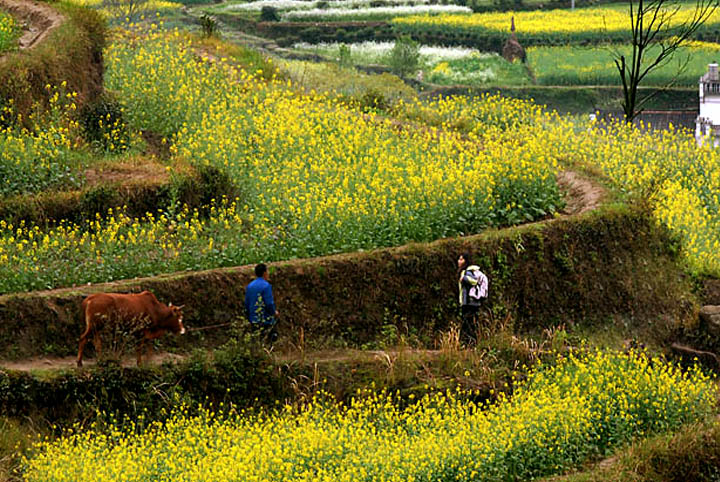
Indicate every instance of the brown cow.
{"type": "Point", "coordinates": [150, 317]}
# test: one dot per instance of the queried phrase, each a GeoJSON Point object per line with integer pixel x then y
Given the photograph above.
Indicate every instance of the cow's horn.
{"type": "Point", "coordinates": [170, 304]}
{"type": "Point", "coordinates": [180, 307]}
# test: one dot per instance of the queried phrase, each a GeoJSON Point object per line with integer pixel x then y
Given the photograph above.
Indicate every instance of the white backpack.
{"type": "Point", "coordinates": [478, 283]}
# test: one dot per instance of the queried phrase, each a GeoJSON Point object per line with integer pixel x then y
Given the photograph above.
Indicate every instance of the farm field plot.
{"type": "Point", "coordinates": [9, 32]}
{"type": "Point", "coordinates": [563, 413]}
{"type": "Point", "coordinates": [340, 10]}
{"type": "Point", "coordinates": [369, 91]}
{"type": "Point", "coordinates": [367, 14]}
{"type": "Point", "coordinates": [666, 169]}
{"type": "Point", "coordinates": [440, 65]}
{"type": "Point", "coordinates": [314, 176]}
{"type": "Point", "coordinates": [43, 154]}
{"type": "Point", "coordinates": [581, 26]}
{"type": "Point", "coordinates": [578, 65]}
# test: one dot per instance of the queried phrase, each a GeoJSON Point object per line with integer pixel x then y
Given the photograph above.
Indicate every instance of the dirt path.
{"type": "Point", "coordinates": [581, 193]}
{"type": "Point", "coordinates": [68, 362]}
{"type": "Point", "coordinates": [324, 356]}
{"type": "Point", "coordinates": [40, 19]}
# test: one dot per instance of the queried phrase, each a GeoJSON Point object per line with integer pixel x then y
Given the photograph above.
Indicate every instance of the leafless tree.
{"type": "Point", "coordinates": [659, 28]}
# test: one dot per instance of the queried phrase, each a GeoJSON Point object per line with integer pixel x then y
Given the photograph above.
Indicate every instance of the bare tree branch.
{"type": "Point", "coordinates": [656, 24]}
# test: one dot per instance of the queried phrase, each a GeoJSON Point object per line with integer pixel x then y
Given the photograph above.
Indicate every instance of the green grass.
{"type": "Point", "coordinates": [16, 437]}
{"type": "Point", "coordinates": [440, 65]}
{"type": "Point", "coordinates": [691, 453]}
{"type": "Point", "coordinates": [578, 65]}
{"type": "Point", "coordinates": [478, 71]}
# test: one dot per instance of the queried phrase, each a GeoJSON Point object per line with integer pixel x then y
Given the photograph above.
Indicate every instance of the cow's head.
{"type": "Point", "coordinates": [177, 326]}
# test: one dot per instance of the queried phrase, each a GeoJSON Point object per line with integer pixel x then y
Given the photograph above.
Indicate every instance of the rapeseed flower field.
{"type": "Point", "coordinates": [42, 155]}
{"type": "Point", "coordinates": [679, 180]}
{"type": "Point", "coordinates": [583, 405]}
{"type": "Point", "coordinates": [593, 25]}
{"type": "Point", "coordinates": [316, 175]}
{"type": "Point", "coordinates": [128, 12]}
{"type": "Point", "coordinates": [9, 30]}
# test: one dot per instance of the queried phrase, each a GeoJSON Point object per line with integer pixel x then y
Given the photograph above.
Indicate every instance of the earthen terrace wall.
{"type": "Point", "coordinates": [612, 261]}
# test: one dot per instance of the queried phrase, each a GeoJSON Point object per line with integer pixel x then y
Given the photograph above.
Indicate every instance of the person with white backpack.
{"type": "Point", "coordinates": [473, 287]}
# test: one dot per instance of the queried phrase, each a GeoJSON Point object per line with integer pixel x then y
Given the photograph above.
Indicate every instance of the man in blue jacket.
{"type": "Point", "coordinates": [259, 304]}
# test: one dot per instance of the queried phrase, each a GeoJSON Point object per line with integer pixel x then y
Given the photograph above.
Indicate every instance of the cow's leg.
{"type": "Point", "coordinates": [83, 342]}
{"type": "Point", "coordinates": [140, 350]}
{"type": "Point", "coordinates": [149, 335]}
{"type": "Point", "coordinates": [98, 344]}
{"type": "Point", "coordinates": [84, 336]}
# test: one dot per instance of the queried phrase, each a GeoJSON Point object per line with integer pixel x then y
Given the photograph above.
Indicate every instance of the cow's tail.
{"type": "Point", "coordinates": [88, 325]}
{"type": "Point", "coordinates": [86, 312]}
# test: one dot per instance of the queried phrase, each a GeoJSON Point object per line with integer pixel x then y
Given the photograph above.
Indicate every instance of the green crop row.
{"type": "Point", "coordinates": [546, 27]}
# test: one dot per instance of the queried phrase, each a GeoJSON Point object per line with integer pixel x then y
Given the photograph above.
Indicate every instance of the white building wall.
{"type": "Point", "coordinates": [710, 109]}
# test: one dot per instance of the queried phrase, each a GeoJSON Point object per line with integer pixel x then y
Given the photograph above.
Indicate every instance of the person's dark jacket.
{"type": "Point", "coordinates": [259, 303]}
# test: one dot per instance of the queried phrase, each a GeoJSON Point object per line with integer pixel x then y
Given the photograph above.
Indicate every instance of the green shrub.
{"type": "Point", "coordinates": [373, 100]}
{"type": "Point", "coordinates": [208, 25]}
{"type": "Point", "coordinates": [269, 14]}
{"type": "Point", "coordinates": [404, 57]}
{"type": "Point", "coordinates": [104, 126]}
{"type": "Point", "coordinates": [207, 185]}
{"type": "Point", "coordinates": [344, 56]}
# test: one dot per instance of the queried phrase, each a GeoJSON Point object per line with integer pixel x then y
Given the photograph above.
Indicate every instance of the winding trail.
{"type": "Point", "coordinates": [581, 193]}
{"type": "Point", "coordinates": [322, 356]}
{"type": "Point", "coordinates": [40, 20]}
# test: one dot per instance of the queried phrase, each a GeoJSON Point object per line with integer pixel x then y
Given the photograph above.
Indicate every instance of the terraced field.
{"type": "Point", "coordinates": [555, 419]}
{"type": "Point", "coordinates": [201, 156]}
{"type": "Point", "coordinates": [550, 27]}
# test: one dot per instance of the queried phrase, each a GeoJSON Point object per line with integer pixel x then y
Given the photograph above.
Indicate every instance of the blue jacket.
{"type": "Point", "coordinates": [259, 303]}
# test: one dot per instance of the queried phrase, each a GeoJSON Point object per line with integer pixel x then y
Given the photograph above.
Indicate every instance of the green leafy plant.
{"type": "Point", "coordinates": [104, 126]}
{"type": "Point", "coordinates": [208, 25]}
{"type": "Point", "coordinates": [344, 56]}
{"type": "Point", "coordinates": [404, 57]}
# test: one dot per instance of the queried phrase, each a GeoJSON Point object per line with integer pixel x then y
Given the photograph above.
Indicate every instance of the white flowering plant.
{"type": "Point", "coordinates": [378, 13]}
